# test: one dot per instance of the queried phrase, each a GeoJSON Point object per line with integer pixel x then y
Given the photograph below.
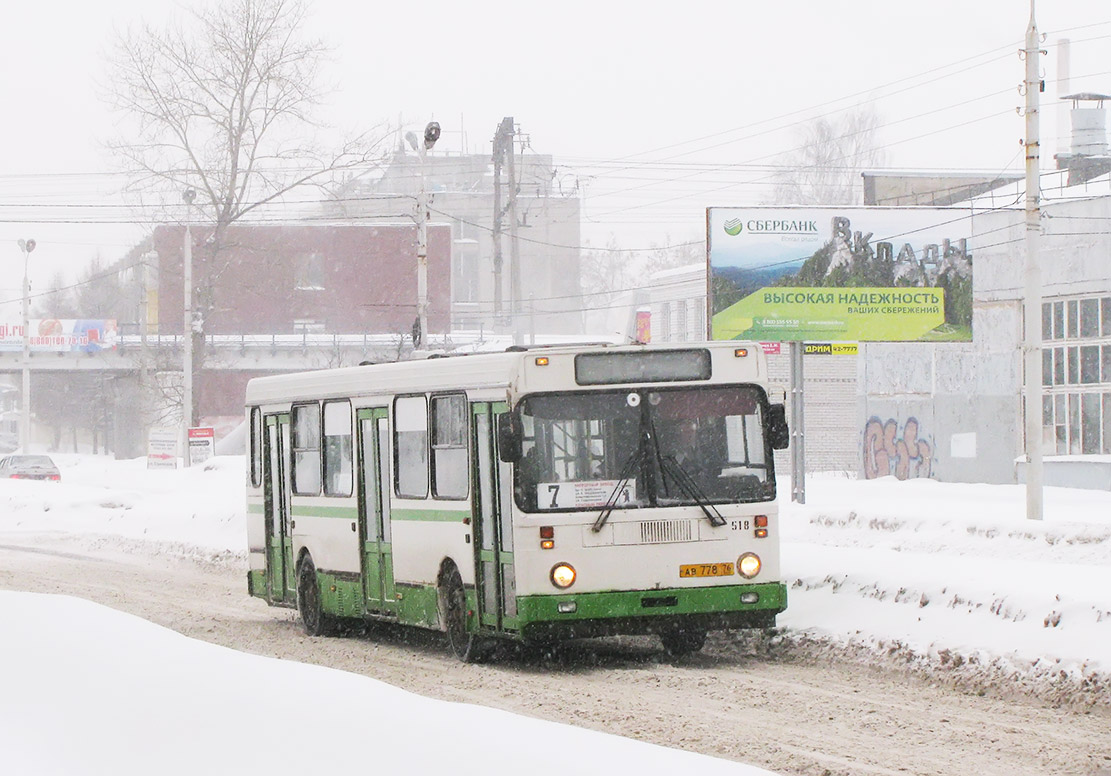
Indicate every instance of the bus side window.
{"type": "Point", "coordinates": [306, 449]}
{"type": "Point", "coordinates": [255, 451]}
{"type": "Point", "coordinates": [411, 446]}
{"type": "Point", "coordinates": [337, 448]}
{"type": "Point", "coordinates": [449, 446]}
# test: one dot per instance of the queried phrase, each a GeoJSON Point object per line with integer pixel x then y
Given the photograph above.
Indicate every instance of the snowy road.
{"type": "Point", "coordinates": [792, 711]}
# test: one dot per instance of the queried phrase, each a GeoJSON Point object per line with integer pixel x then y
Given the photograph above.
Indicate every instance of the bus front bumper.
{"type": "Point", "coordinates": [569, 616]}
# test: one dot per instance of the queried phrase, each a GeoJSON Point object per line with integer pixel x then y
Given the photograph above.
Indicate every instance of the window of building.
{"type": "Point", "coordinates": [411, 446]}
{"type": "Point", "coordinates": [1072, 318]}
{"type": "Point", "coordinates": [1089, 364]}
{"type": "Point", "coordinates": [450, 472]}
{"type": "Point", "coordinates": [338, 447]}
{"type": "Point", "coordinates": [1089, 318]}
{"type": "Point", "coordinates": [1058, 320]}
{"type": "Point", "coordinates": [681, 320]}
{"type": "Point", "coordinates": [465, 281]}
{"type": "Point", "coordinates": [665, 322]}
{"type": "Point", "coordinates": [309, 275]}
{"type": "Point", "coordinates": [306, 449]}
{"type": "Point", "coordinates": [1105, 314]}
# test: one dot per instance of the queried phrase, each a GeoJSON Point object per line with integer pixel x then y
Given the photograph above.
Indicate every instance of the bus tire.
{"type": "Point", "coordinates": [309, 603]}
{"type": "Point", "coordinates": [468, 647]}
{"type": "Point", "coordinates": [683, 640]}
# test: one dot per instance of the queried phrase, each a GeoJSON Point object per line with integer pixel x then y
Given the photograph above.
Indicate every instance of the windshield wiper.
{"type": "Point", "coordinates": [626, 472]}
{"type": "Point", "coordinates": [689, 486]}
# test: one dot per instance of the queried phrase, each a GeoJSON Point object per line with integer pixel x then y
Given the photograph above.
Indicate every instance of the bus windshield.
{"type": "Point", "coordinates": [643, 448]}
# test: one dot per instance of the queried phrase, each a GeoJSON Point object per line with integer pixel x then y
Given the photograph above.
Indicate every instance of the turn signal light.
{"type": "Point", "coordinates": [547, 537]}
{"type": "Point", "coordinates": [761, 533]}
{"type": "Point", "coordinates": [541, 360]}
{"type": "Point", "coordinates": [740, 352]}
{"type": "Point", "coordinates": [761, 521]}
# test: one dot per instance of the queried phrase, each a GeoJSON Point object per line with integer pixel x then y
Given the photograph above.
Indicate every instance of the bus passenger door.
{"type": "Point", "coordinates": [281, 586]}
{"type": "Point", "coordinates": [374, 511]}
{"type": "Point", "coordinates": [495, 582]}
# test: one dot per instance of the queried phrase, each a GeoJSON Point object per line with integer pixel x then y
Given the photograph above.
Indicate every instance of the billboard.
{"type": "Point", "coordinates": [60, 335]}
{"type": "Point", "coordinates": [865, 274]}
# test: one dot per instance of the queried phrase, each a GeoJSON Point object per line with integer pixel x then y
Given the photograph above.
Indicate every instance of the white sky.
{"type": "Point", "coordinates": [591, 83]}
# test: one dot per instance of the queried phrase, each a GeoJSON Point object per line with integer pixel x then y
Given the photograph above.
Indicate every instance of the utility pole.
{"type": "Point", "coordinates": [144, 352]}
{"type": "Point", "coordinates": [187, 327]}
{"type": "Point", "coordinates": [1032, 303]}
{"type": "Point", "coordinates": [26, 246]}
{"type": "Point", "coordinates": [504, 133]}
{"type": "Point", "coordinates": [431, 135]}
{"type": "Point", "coordinates": [510, 150]}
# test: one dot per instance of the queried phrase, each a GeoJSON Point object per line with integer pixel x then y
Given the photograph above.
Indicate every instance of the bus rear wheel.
{"type": "Point", "coordinates": [468, 647]}
{"type": "Point", "coordinates": [685, 640]}
{"type": "Point", "coordinates": [309, 604]}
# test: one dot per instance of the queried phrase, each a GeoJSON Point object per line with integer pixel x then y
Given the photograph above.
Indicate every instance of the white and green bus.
{"type": "Point", "coordinates": [534, 495]}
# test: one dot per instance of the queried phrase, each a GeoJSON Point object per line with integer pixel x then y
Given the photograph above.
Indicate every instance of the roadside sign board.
{"type": "Point", "coordinates": [865, 274]}
{"type": "Point", "coordinates": [162, 446]}
{"type": "Point", "coordinates": [202, 444]}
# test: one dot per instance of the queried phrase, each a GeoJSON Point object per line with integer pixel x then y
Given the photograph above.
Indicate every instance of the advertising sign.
{"type": "Point", "coordinates": [202, 444]}
{"type": "Point", "coordinates": [60, 335]}
{"type": "Point", "coordinates": [162, 448]}
{"type": "Point", "coordinates": [841, 274]}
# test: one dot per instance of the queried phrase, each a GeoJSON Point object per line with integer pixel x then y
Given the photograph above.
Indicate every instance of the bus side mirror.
{"type": "Point", "coordinates": [778, 434]}
{"type": "Point", "coordinates": [509, 437]}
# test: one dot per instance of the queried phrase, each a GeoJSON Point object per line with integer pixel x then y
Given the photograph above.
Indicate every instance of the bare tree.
{"type": "Point", "coordinates": [825, 167]}
{"type": "Point", "coordinates": [222, 103]}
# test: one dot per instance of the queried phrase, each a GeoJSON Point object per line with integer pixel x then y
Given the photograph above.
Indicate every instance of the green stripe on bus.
{"type": "Point", "coordinates": [430, 515]}
{"type": "Point", "coordinates": [313, 511]}
{"type": "Point", "coordinates": [256, 509]}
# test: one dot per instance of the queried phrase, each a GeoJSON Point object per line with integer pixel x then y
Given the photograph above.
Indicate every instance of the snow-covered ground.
{"type": "Point", "coordinates": [949, 575]}
{"type": "Point", "coordinates": [955, 576]}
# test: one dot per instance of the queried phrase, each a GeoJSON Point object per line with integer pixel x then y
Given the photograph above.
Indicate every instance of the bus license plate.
{"type": "Point", "coordinates": [706, 570]}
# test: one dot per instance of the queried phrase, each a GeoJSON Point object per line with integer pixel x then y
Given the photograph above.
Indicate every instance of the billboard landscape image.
{"type": "Point", "coordinates": [850, 274]}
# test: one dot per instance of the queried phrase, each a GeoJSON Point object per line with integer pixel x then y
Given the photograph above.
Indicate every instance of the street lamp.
{"type": "Point", "coordinates": [25, 418]}
{"type": "Point", "coordinates": [431, 135]}
{"type": "Point", "coordinates": [187, 330]}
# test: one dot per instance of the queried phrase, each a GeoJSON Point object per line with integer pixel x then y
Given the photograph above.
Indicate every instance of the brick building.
{"type": "Point", "coordinates": [290, 279]}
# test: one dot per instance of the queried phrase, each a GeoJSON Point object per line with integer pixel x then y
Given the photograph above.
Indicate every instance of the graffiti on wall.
{"type": "Point", "coordinates": [888, 452]}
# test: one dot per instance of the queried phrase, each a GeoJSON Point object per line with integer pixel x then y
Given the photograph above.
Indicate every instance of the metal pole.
{"type": "Point", "coordinates": [187, 346]}
{"type": "Point", "coordinates": [514, 244]}
{"type": "Point", "coordinates": [422, 254]}
{"type": "Point", "coordinates": [144, 354]}
{"type": "Point", "coordinates": [798, 433]}
{"type": "Point", "coordinates": [25, 416]}
{"type": "Point", "coordinates": [1032, 302]}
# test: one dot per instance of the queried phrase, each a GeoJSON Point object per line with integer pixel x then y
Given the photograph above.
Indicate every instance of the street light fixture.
{"type": "Point", "coordinates": [431, 135]}
{"type": "Point", "coordinates": [25, 417]}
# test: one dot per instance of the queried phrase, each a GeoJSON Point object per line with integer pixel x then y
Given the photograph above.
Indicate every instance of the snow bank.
{"type": "Point", "coordinates": [89, 690]}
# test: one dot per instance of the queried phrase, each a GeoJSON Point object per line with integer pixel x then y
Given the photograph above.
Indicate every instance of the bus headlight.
{"type": "Point", "coordinates": [748, 565]}
{"type": "Point", "coordinates": [563, 575]}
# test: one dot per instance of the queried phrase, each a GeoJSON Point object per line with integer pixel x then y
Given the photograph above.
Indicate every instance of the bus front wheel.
{"type": "Point", "coordinates": [466, 646]}
{"type": "Point", "coordinates": [309, 604]}
{"type": "Point", "coordinates": [680, 641]}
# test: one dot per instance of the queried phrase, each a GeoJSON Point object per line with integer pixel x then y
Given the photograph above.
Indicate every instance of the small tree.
{"type": "Point", "coordinates": [222, 104]}
{"type": "Point", "coordinates": [825, 167]}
